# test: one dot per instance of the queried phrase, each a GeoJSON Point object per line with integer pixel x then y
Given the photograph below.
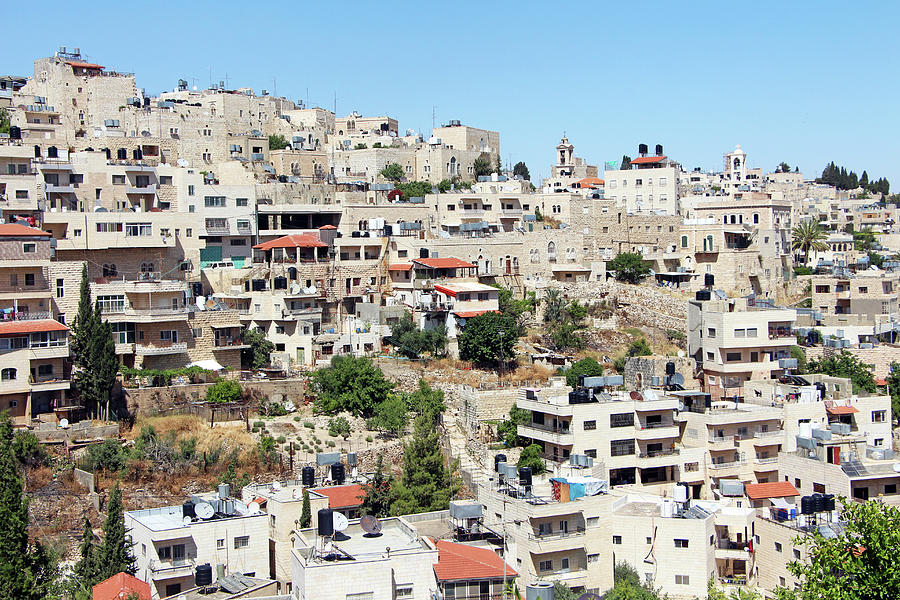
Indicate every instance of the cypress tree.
{"type": "Point", "coordinates": [87, 569]}
{"type": "Point", "coordinates": [306, 512]}
{"type": "Point", "coordinates": [104, 364]}
{"type": "Point", "coordinates": [115, 551]}
{"type": "Point", "coordinates": [426, 483]}
{"type": "Point", "coordinates": [378, 492]}
{"type": "Point", "coordinates": [26, 571]}
{"type": "Point", "coordinates": [81, 328]}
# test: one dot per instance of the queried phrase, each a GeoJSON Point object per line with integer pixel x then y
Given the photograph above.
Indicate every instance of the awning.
{"type": "Point", "coordinates": [738, 231]}
{"type": "Point", "coordinates": [841, 410]}
{"type": "Point", "coordinates": [468, 314]}
{"type": "Point", "coordinates": [209, 365]}
{"type": "Point", "coordinates": [400, 267]}
{"type": "Point", "coordinates": [566, 268]}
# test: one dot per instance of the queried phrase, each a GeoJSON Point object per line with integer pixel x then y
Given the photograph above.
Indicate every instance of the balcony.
{"type": "Point", "coordinates": [302, 314]}
{"type": "Point", "coordinates": [655, 431]}
{"type": "Point", "coordinates": [657, 458]}
{"type": "Point", "coordinates": [721, 466]}
{"type": "Point", "coordinates": [48, 384]}
{"type": "Point", "coordinates": [559, 410]}
{"type": "Point", "coordinates": [160, 348]}
{"type": "Point", "coordinates": [545, 433]}
{"type": "Point", "coordinates": [25, 316]}
{"type": "Point", "coordinates": [434, 306]}
{"type": "Point", "coordinates": [230, 343]}
{"type": "Point", "coordinates": [125, 348]}
{"type": "Point", "coordinates": [117, 313]}
{"type": "Point", "coordinates": [150, 188]}
{"type": "Point", "coordinates": [52, 188]}
{"type": "Point", "coordinates": [769, 460]}
{"type": "Point", "coordinates": [558, 541]}
{"type": "Point", "coordinates": [58, 349]}
{"type": "Point", "coordinates": [726, 548]}
{"type": "Point", "coordinates": [164, 569]}
{"type": "Point", "coordinates": [766, 438]}
{"type": "Point", "coordinates": [724, 442]}
{"type": "Point", "coordinates": [218, 229]}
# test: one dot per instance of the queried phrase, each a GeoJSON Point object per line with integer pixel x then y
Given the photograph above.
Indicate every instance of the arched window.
{"type": "Point", "coordinates": [551, 251]}
{"type": "Point", "coordinates": [684, 241]}
{"type": "Point", "coordinates": [147, 267]}
{"type": "Point", "coordinates": [8, 374]}
{"type": "Point", "coordinates": [756, 217]}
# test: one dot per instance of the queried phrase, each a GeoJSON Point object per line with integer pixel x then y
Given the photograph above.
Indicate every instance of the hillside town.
{"type": "Point", "coordinates": [251, 348]}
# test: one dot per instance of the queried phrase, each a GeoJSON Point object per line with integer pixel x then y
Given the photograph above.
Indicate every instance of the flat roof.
{"type": "Point", "coordinates": [354, 541]}
{"type": "Point", "coordinates": [167, 518]}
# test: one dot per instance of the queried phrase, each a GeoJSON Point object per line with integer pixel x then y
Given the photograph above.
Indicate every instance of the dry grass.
{"type": "Point", "coordinates": [226, 437]}
{"type": "Point", "coordinates": [530, 373]}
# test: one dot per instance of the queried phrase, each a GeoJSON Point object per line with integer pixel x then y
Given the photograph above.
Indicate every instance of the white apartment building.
{"type": "Point", "coordinates": [169, 543]}
{"type": "Point", "coordinates": [735, 341]}
{"type": "Point", "coordinates": [650, 184]}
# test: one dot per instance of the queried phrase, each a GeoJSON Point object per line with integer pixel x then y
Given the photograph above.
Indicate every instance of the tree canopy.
{"type": "Point", "coordinates": [629, 267]}
{"type": "Point", "coordinates": [520, 169]}
{"type": "Point", "coordinates": [426, 484]}
{"type": "Point", "coordinates": [858, 562]}
{"type": "Point", "coordinates": [412, 342]}
{"type": "Point", "coordinates": [115, 555]}
{"type": "Point", "coordinates": [257, 355]}
{"type": "Point", "coordinates": [414, 189]}
{"type": "Point", "coordinates": [93, 355]}
{"type": "Point", "coordinates": [482, 166]}
{"type": "Point", "coordinates": [378, 491]}
{"type": "Point", "coordinates": [807, 236]}
{"type": "Point", "coordinates": [488, 338]}
{"type": "Point", "coordinates": [277, 142]}
{"type": "Point", "coordinates": [350, 384]}
{"type": "Point", "coordinates": [585, 366]}
{"type": "Point", "coordinates": [26, 570]}
{"type": "Point", "coordinates": [392, 172]}
{"type": "Point", "coordinates": [843, 179]}
{"type": "Point", "coordinates": [531, 458]}
{"type": "Point", "coordinates": [847, 365]}
{"type": "Point", "coordinates": [227, 390]}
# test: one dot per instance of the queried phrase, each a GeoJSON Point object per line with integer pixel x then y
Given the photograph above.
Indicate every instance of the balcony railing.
{"type": "Point", "coordinates": [726, 465]}
{"type": "Point", "coordinates": [656, 453]}
{"type": "Point", "coordinates": [161, 348]}
{"type": "Point", "coordinates": [24, 316]}
{"type": "Point", "coordinates": [766, 434]}
{"type": "Point", "coordinates": [726, 544]}
{"type": "Point", "coordinates": [769, 460]}
{"type": "Point", "coordinates": [655, 425]}
{"type": "Point", "coordinates": [228, 342]}
{"type": "Point", "coordinates": [556, 535]}
{"type": "Point", "coordinates": [550, 428]}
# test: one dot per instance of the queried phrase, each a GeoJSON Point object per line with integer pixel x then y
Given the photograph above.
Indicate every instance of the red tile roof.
{"type": "Point", "coordinates": [468, 314]}
{"type": "Point", "coordinates": [400, 267]}
{"type": "Point", "coordinates": [297, 240]}
{"type": "Point", "coordinates": [458, 561]}
{"type": "Point", "coordinates": [841, 410]}
{"type": "Point", "coordinates": [647, 160]}
{"type": "Point", "coordinates": [443, 263]}
{"type": "Point", "coordinates": [588, 182]}
{"type": "Point", "coordinates": [343, 496]}
{"type": "Point", "coordinates": [36, 326]}
{"type": "Point", "coordinates": [774, 489]}
{"type": "Point", "coordinates": [84, 65]}
{"type": "Point", "coordinates": [327, 227]}
{"type": "Point", "coordinates": [18, 230]}
{"type": "Point", "coordinates": [120, 586]}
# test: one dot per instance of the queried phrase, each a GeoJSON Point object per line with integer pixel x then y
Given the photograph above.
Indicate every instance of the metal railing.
{"type": "Point", "coordinates": [656, 453]}
{"type": "Point", "coordinates": [556, 535]}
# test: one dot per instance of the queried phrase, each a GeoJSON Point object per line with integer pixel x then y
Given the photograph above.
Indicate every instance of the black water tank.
{"type": "Point", "coordinates": [187, 509]}
{"type": "Point", "coordinates": [818, 501]}
{"type": "Point", "coordinates": [15, 133]}
{"type": "Point", "coordinates": [498, 458]}
{"type": "Point", "coordinates": [52, 152]}
{"type": "Point", "coordinates": [326, 522]}
{"type": "Point", "coordinates": [37, 151]}
{"type": "Point", "coordinates": [280, 283]}
{"type": "Point", "coordinates": [670, 368]}
{"type": "Point", "coordinates": [388, 230]}
{"type": "Point", "coordinates": [423, 252]}
{"type": "Point", "coordinates": [337, 472]}
{"type": "Point", "coordinates": [308, 476]}
{"type": "Point", "coordinates": [525, 476]}
{"type": "Point", "coordinates": [659, 150]}
{"type": "Point", "coordinates": [709, 279]}
{"type": "Point", "coordinates": [702, 295]}
{"type": "Point", "coordinates": [829, 502]}
{"type": "Point", "coordinates": [806, 505]}
{"type": "Point", "coordinates": [203, 575]}
{"type": "Point", "coordinates": [642, 149]}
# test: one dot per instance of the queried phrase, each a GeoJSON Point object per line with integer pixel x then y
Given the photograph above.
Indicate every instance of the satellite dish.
{"type": "Point", "coordinates": [182, 162]}
{"type": "Point", "coordinates": [253, 508]}
{"type": "Point", "coordinates": [276, 486]}
{"type": "Point", "coordinates": [650, 396]}
{"type": "Point", "coordinates": [370, 524]}
{"type": "Point", "coordinates": [340, 522]}
{"type": "Point", "coordinates": [676, 379]}
{"type": "Point", "coordinates": [186, 520]}
{"type": "Point", "coordinates": [64, 423]}
{"type": "Point", "coordinates": [681, 354]}
{"type": "Point", "coordinates": [204, 510]}
{"type": "Point", "coordinates": [636, 396]}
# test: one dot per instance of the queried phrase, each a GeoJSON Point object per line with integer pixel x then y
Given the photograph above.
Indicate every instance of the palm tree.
{"type": "Point", "coordinates": [807, 236]}
{"type": "Point", "coordinates": [553, 313]}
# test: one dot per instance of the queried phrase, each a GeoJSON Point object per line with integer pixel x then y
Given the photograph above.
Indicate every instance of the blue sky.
{"type": "Point", "coordinates": [795, 81]}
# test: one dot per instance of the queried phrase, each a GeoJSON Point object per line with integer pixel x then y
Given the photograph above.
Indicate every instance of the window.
{"type": "Point", "coordinates": [214, 201]}
{"type": "Point", "coordinates": [240, 202]}
{"type": "Point", "coordinates": [621, 447]}
{"type": "Point", "coordinates": [241, 541]}
{"type": "Point", "coordinates": [220, 544]}
{"type": "Point", "coordinates": [29, 279]}
{"type": "Point", "coordinates": [617, 539]}
{"type": "Point", "coordinates": [890, 488]}
{"type": "Point", "coordinates": [138, 229]}
{"type": "Point", "coordinates": [188, 232]}
{"type": "Point", "coordinates": [797, 483]}
{"type": "Point", "coordinates": [739, 333]}
{"type": "Point", "coordinates": [778, 547]}
{"type": "Point", "coordinates": [8, 374]}
{"type": "Point", "coordinates": [621, 420]}
{"type": "Point", "coordinates": [238, 242]}
{"type": "Point", "coordinates": [218, 224]}
{"type": "Point", "coordinates": [732, 356]}
{"type": "Point", "coordinates": [878, 416]}
{"type": "Point", "coordinates": [682, 580]}
{"type": "Point", "coordinates": [118, 179]}
{"type": "Point", "coordinates": [29, 248]}
{"type": "Point", "coordinates": [711, 332]}
{"type": "Point", "coordinates": [751, 332]}
{"type": "Point", "coordinates": [243, 224]}
{"type": "Point", "coordinates": [109, 227]}
{"type": "Point", "coordinates": [21, 194]}
{"type": "Point", "coordinates": [545, 565]}
{"type": "Point", "coordinates": [796, 554]}
{"type": "Point", "coordinates": [681, 543]}
{"type": "Point", "coordinates": [590, 425]}
{"type": "Point", "coordinates": [684, 241]}
{"type": "Point", "coordinates": [819, 488]}
{"type": "Point", "coordinates": [404, 591]}
{"type": "Point", "coordinates": [190, 190]}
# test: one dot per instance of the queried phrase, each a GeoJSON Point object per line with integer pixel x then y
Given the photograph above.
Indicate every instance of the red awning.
{"type": "Point", "coordinates": [841, 410]}
{"type": "Point", "coordinates": [774, 489]}
{"type": "Point", "coordinates": [400, 267]}
{"type": "Point", "coordinates": [36, 326]}
{"type": "Point", "coordinates": [468, 314]}
{"type": "Point", "coordinates": [302, 240]}
{"type": "Point", "coordinates": [647, 160]}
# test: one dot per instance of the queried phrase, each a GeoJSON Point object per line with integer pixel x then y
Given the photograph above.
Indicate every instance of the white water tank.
{"type": "Point", "coordinates": [805, 430]}
{"type": "Point", "coordinates": [539, 590]}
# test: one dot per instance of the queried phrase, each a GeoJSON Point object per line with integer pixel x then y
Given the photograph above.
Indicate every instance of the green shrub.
{"type": "Point", "coordinates": [259, 424]}
{"type": "Point", "coordinates": [309, 425]}
{"type": "Point", "coordinates": [369, 438]}
{"type": "Point", "coordinates": [330, 443]}
{"type": "Point", "coordinates": [281, 439]}
{"type": "Point", "coordinates": [227, 390]}
{"type": "Point", "coordinates": [297, 418]}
